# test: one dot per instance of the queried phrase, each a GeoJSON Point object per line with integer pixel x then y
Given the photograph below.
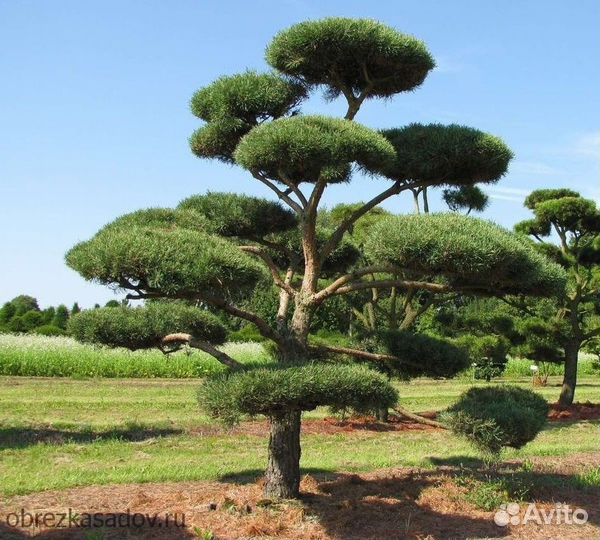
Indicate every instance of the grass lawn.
{"type": "Point", "coordinates": [57, 433]}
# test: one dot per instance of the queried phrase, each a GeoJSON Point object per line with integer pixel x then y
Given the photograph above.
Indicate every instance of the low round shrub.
{"type": "Point", "coordinates": [271, 390]}
{"type": "Point", "coordinates": [496, 417]}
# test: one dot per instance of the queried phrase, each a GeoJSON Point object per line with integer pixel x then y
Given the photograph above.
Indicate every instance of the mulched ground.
{"type": "Point", "coordinates": [393, 503]}
{"type": "Point", "coordinates": [331, 425]}
{"type": "Point", "coordinates": [324, 426]}
{"type": "Point", "coordinates": [577, 411]}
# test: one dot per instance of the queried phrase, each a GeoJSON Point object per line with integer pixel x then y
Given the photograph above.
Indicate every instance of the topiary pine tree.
{"type": "Point", "coordinates": [212, 250]}
{"type": "Point", "coordinates": [575, 222]}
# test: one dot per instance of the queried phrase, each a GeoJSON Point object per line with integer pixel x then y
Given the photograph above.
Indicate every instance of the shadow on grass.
{"type": "Point", "coordinates": [21, 437]}
{"type": "Point", "coordinates": [152, 527]}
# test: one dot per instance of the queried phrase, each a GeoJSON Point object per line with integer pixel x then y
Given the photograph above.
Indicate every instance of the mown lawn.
{"type": "Point", "coordinates": [57, 433]}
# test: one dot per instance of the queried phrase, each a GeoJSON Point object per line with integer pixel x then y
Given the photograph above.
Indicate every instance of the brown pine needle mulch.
{"type": "Point", "coordinates": [395, 503]}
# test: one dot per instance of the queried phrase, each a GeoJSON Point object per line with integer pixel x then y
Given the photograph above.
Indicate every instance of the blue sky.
{"type": "Point", "coordinates": [94, 109]}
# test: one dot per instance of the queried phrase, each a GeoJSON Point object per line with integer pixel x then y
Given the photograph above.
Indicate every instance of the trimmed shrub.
{"type": "Point", "coordinates": [301, 387]}
{"type": "Point", "coordinates": [496, 417]}
{"type": "Point", "coordinates": [176, 260]}
{"type": "Point", "coordinates": [232, 214]}
{"type": "Point", "coordinates": [309, 148]}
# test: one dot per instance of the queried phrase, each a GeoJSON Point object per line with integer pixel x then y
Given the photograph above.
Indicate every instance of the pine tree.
{"type": "Point", "coordinates": [214, 249]}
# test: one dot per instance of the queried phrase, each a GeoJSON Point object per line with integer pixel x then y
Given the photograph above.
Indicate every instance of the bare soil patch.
{"type": "Point", "coordinates": [393, 503]}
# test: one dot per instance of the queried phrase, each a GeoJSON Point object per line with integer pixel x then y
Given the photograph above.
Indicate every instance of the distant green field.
{"type": "Point", "coordinates": [61, 432]}
{"type": "Point", "coordinates": [40, 356]}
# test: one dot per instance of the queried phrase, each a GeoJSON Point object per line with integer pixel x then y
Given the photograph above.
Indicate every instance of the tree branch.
{"type": "Point", "coordinates": [418, 418]}
{"type": "Point", "coordinates": [272, 267]}
{"type": "Point", "coordinates": [282, 195]}
{"type": "Point", "coordinates": [352, 276]}
{"type": "Point", "coordinates": [356, 353]}
{"type": "Point", "coordinates": [389, 283]}
{"type": "Point", "coordinates": [312, 262]}
{"type": "Point", "coordinates": [284, 302]}
{"type": "Point", "coordinates": [293, 188]}
{"type": "Point", "coordinates": [203, 346]}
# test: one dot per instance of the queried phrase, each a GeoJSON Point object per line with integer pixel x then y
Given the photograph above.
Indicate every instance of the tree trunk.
{"type": "Point", "coordinates": [567, 393]}
{"type": "Point", "coordinates": [416, 201]}
{"type": "Point", "coordinates": [283, 469]}
{"type": "Point", "coordinates": [425, 201]}
{"type": "Point", "coordinates": [296, 343]}
{"type": "Point", "coordinates": [383, 414]}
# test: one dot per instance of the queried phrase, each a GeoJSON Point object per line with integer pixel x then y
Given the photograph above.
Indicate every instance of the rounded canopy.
{"type": "Point", "coordinates": [233, 105]}
{"type": "Point", "coordinates": [173, 260]}
{"type": "Point", "coordinates": [271, 390]}
{"type": "Point", "coordinates": [232, 214]}
{"type": "Point", "coordinates": [466, 251]}
{"type": "Point", "coordinates": [351, 55]}
{"type": "Point", "coordinates": [446, 155]}
{"type": "Point", "coordinates": [310, 148]}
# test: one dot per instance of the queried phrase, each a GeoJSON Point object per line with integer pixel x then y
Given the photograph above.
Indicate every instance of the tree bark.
{"type": "Point", "coordinates": [283, 469]}
{"type": "Point", "coordinates": [567, 393]}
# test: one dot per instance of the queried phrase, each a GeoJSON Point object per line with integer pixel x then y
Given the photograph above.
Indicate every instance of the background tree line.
{"type": "Point", "coordinates": [22, 314]}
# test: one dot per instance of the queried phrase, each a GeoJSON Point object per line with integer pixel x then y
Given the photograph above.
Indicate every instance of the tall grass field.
{"type": "Point", "coordinates": [43, 356]}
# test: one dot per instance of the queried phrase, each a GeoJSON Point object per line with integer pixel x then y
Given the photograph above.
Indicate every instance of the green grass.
{"type": "Point", "coordinates": [520, 367]}
{"type": "Point", "coordinates": [589, 479]}
{"type": "Point", "coordinates": [42, 356]}
{"type": "Point", "coordinates": [58, 432]}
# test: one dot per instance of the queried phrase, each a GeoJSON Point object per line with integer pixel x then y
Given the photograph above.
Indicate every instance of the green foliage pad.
{"type": "Point", "coordinates": [310, 148]}
{"type": "Point", "coordinates": [268, 391]}
{"type": "Point", "coordinates": [468, 252]}
{"type": "Point", "coordinates": [144, 327]}
{"type": "Point", "coordinates": [351, 55]}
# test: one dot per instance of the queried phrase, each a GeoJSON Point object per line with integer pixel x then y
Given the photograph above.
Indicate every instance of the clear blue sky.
{"type": "Point", "coordinates": [94, 107]}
